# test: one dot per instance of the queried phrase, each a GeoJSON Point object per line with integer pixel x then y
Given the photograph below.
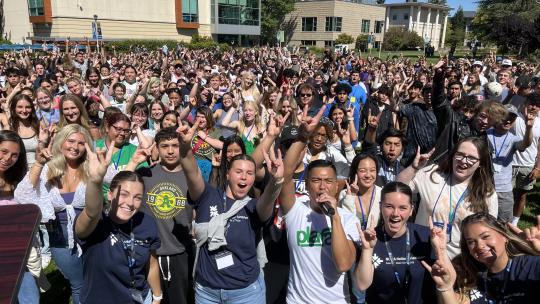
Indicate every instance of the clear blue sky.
{"type": "Point", "coordinates": [468, 5]}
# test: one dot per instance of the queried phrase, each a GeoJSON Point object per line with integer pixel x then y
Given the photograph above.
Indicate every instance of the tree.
{"type": "Point", "coordinates": [455, 33]}
{"type": "Point", "coordinates": [440, 2]}
{"type": "Point", "coordinates": [396, 39]}
{"type": "Point", "coordinates": [273, 18]}
{"type": "Point", "coordinates": [344, 39]}
{"type": "Point", "coordinates": [380, 1]}
{"type": "Point", "coordinates": [361, 42]}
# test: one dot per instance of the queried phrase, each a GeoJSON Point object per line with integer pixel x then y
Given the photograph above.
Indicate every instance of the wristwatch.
{"type": "Point", "coordinates": [157, 298]}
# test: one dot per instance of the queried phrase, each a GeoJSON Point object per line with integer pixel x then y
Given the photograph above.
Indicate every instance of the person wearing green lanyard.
{"type": "Point", "coordinates": [117, 131]}
{"type": "Point", "coordinates": [460, 185]}
{"type": "Point", "coordinates": [390, 269]}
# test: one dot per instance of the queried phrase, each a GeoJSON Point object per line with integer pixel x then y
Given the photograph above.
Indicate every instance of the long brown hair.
{"type": "Point", "coordinates": [467, 265]}
{"type": "Point", "coordinates": [481, 185]}
{"type": "Point", "coordinates": [14, 119]}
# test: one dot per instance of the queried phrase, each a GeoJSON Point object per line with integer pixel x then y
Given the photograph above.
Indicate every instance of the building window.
{"type": "Point", "coordinates": [394, 17]}
{"type": "Point", "coordinates": [377, 44]}
{"type": "Point", "coordinates": [190, 11]}
{"type": "Point", "coordinates": [406, 17]}
{"type": "Point", "coordinates": [333, 24]}
{"type": "Point", "coordinates": [241, 12]}
{"type": "Point", "coordinates": [308, 42]}
{"type": "Point", "coordinates": [365, 26]}
{"type": "Point", "coordinates": [328, 43]}
{"type": "Point", "coordinates": [309, 24]}
{"type": "Point", "coordinates": [36, 8]}
{"type": "Point", "coordinates": [379, 25]}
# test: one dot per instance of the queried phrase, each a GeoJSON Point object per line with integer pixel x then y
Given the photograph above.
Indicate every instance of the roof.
{"type": "Point", "coordinates": [421, 4]}
{"type": "Point", "coordinates": [469, 14]}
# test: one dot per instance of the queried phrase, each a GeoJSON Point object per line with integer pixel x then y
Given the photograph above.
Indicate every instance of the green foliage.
{"type": "Point", "coordinates": [273, 18]}
{"type": "Point", "coordinates": [361, 42]}
{"type": "Point", "coordinates": [455, 32]}
{"type": "Point", "coordinates": [4, 41]}
{"type": "Point", "coordinates": [380, 1]}
{"type": "Point", "coordinates": [197, 42]}
{"type": "Point", "coordinates": [440, 2]}
{"type": "Point", "coordinates": [399, 39]}
{"type": "Point", "coordinates": [344, 39]}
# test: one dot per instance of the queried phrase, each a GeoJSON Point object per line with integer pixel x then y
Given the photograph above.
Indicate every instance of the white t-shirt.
{"type": "Point", "coordinates": [526, 158]}
{"type": "Point", "coordinates": [313, 277]}
{"type": "Point", "coordinates": [342, 163]}
{"type": "Point", "coordinates": [435, 194]}
{"type": "Point", "coordinates": [131, 88]}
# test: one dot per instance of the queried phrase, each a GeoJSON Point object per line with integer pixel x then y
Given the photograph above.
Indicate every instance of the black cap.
{"type": "Point", "coordinates": [289, 133]}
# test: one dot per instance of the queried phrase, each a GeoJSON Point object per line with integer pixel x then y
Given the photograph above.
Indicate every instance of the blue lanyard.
{"type": "Point", "coordinates": [451, 213]}
{"type": "Point", "coordinates": [393, 262]}
{"type": "Point", "coordinates": [503, 289]}
{"type": "Point", "coordinates": [495, 144]}
{"type": "Point", "coordinates": [364, 216]}
{"type": "Point", "coordinates": [118, 158]}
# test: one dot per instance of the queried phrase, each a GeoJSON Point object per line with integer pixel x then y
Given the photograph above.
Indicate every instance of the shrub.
{"type": "Point", "coordinates": [397, 39]}
{"type": "Point", "coordinates": [344, 39]}
{"type": "Point", "coordinates": [361, 42]}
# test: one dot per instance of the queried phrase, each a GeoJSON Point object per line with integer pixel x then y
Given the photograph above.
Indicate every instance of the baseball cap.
{"type": "Point", "coordinates": [493, 90]}
{"type": "Point", "coordinates": [289, 133]}
{"type": "Point", "coordinates": [507, 62]}
{"type": "Point", "coordinates": [478, 62]}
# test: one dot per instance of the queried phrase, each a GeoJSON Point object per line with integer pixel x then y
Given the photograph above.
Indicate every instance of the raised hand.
{"type": "Point", "coordinates": [98, 162]}
{"type": "Point", "coordinates": [142, 154]}
{"type": "Point", "coordinates": [421, 160]}
{"type": "Point", "coordinates": [438, 238]}
{"type": "Point", "coordinates": [187, 133]}
{"type": "Point", "coordinates": [309, 124]}
{"type": "Point", "coordinates": [216, 159]}
{"type": "Point", "coordinates": [368, 236]}
{"type": "Point", "coordinates": [274, 164]}
{"type": "Point", "coordinates": [442, 272]}
{"type": "Point", "coordinates": [352, 189]}
{"type": "Point", "coordinates": [530, 235]}
{"type": "Point", "coordinates": [275, 124]}
{"type": "Point", "coordinates": [373, 120]}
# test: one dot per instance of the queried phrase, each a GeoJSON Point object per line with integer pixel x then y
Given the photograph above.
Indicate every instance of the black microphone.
{"type": "Point", "coordinates": [327, 208]}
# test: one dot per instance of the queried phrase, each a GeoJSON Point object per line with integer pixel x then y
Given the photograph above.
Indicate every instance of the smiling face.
{"type": "Point", "coordinates": [93, 79]}
{"type": "Point", "coordinates": [337, 116]}
{"type": "Point", "coordinates": [70, 111]}
{"type": "Point", "coordinates": [169, 120]}
{"type": "Point", "coordinates": [9, 154]}
{"type": "Point", "coordinates": [128, 202]}
{"type": "Point", "coordinates": [130, 75]}
{"type": "Point", "coordinates": [396, 208]}
{"type": "Point", "coordinates": [484, 243]}
{"type": "Point", "coordinates": [233, 150]}
{"type": "Point", "coordinates": [139, 118]}
{"type": "Point", "coordinates": [119, 132]}
{"type": "Point", "coordinates": [366, 173]}
{"type": "Point", "coordinates": [202, 121]}
{"type": "Point", "coordinates": [156, 111]}
{"type": "Point", "coordinates": [466, 161]}
{"type": "Point", "coordinates": [241, 177]}
{"type": "Point", "coordinates": [23, 109]}
{"type": "Point", "coordinates": [73, 148]}
{"type": "Point", "coordinates": [75, 88]}
{"type": "Point", "coordinates": [44, 101]}
{"type": "Point", "coordinates": [249, 113]}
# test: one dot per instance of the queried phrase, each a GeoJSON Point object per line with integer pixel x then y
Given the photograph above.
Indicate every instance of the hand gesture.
{"type": "Point", "coordinates": [344, 135]}
{"type": "Point", "coordinates": [274, 164]}
{"type": "Point", "coordinates": [438, 239]}
{"type": "Point", "coordinates": [276, 124]}
{"type": "Point", "coordinates": [142, 154]}
{"type": "Point", "coordinates": [98, 162]}
{"type": "Point", "coordinates": [216, 159]}
{"type": "Point", "coordinates": [187, 133]}
{"type": "Point", "coordinates": [530, 235]}
{"type": "Point", "coordinates": [421, 160]}
{"type": "Point", "coordinates": [352, 189]}
{"type": "Point", "coordinates": [350, 113]}
{"type": "Point", "coordinates": [373, 120]}
{"type": "Point", "coordinates": [442, 272]}
{"type": "Point", "coordinates": [309, 124]}
{"type": "Point", "coordinates": [368, 236]}
{"type": "Point", "coordinates": [530, 117]}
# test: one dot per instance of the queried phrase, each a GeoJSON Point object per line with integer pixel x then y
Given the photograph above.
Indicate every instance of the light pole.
{"type": "Point", "coordinates": [96, 32]}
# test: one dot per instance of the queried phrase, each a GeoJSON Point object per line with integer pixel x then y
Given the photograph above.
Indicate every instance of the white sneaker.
{"type": "Point", "coordinates": [45, 261]}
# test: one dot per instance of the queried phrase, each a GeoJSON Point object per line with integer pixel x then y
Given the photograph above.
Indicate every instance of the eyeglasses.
{"type": "Point", "coordinates": [208, 71]}
{"type": "Point", "coordinates": [305, 95]}
{"type": "Point", "coordinates": [470, 160]}
{"type": "Point", "coordinates": [120, 130]}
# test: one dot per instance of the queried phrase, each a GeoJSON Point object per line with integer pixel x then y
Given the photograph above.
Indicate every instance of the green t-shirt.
{"type": "Point", "coordinates": [119, 160]}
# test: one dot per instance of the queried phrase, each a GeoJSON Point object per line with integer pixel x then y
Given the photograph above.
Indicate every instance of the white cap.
{"type": "Point", "coordinates": [478, 62]}
{"type": "Point", "coordinates": [507, 62]}
{"type": "Point", "coordinates": [493, 90]}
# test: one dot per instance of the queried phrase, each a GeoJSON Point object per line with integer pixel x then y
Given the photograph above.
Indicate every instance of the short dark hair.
{"type": "Point", "coordinates": [458, 83]}
{"type": "Point", "coordinates": [343, 87]}
{"type": "Point", "coordinates": [533, 98]}
{"type": "Point", "coordinates": [417, 85]}
{"type": "Point", "coordinates": [393, 132]}
{"type": "Point", "coordinates": [125, 176]}
{"type": "Point", "coordinates": [165, 134]}
{"type": "Point", "coordinates": [320, 163]}
{"type": "Point", "coordinates": [13, 71]}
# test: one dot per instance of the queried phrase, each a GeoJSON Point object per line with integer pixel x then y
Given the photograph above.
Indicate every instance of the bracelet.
{"type": "Point", "coordinates": [157, 298]}
{"type": "Point", "coordinates": [415, 168]}
{"type": "Point", "coordinates": [441, 289]}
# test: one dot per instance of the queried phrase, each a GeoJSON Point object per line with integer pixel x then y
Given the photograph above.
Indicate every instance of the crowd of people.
{"type": "Point", "coordinates": [272, 175]}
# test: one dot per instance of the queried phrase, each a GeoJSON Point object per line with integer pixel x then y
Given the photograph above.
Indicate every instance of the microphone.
{"type": "Point", "coordinates": [327, 208]}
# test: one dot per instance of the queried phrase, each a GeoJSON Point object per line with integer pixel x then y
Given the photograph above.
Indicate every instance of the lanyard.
{"type": "Point", "coordinates": [495, 145]}
{"type": "Point", "coordinates": [387, 174]}
{"type": "Point", "coordinates": [118, 158]}
{"type": "Point", "coordinates": [366, 215]}
{"type": "Point", "coordinates": [405, 283]}
{"type": "Point", "coordinates": [451, 213]}
{"type": "Point", "coordinates": [503, 289]}
{"type": "Point", "coordinates": [129, 250]}
{"type": "Point", "coordinates": [249, 132]}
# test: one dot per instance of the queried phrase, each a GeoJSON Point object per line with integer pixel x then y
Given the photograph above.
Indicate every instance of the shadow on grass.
{"type": "Point", "coordinates": [532, 209]}
{"type": "Point", "coordinates": [60, 292]}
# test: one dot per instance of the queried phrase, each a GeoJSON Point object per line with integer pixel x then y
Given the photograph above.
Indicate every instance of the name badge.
{"type": "Point", "coordinates": [224, 259]}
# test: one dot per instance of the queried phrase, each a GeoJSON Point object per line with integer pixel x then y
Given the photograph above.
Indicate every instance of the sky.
{"type": "Point", "coordinates": [468, 5]}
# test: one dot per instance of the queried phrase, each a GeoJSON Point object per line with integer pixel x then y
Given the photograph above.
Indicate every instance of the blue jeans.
{"type": "Point", "coordinates": [29, 291]}
{"type": "Point", "coordinates": [71, 267]}
{"type": "Point", "coordinates": [44, 240]}
{"type": "Point", "coordinates": [253, 294]}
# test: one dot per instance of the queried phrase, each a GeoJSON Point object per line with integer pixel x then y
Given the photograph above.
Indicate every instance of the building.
{"type": "Point", "coordinates": [233, 21]}
{"type": "Point", "coordinates": [319, 22]}
{"type": "Point", "coordinates": [426, 19]}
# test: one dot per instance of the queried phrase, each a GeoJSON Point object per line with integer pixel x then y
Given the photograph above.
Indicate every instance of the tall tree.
{"type": "Point", "coordinates": [273, 18]}
{"type": "Point", "coordinates": [455, 34]}
{"type": "Point", "coordinates": [380, 1]}
{"type": "Point", "coordinates": [440, 2]}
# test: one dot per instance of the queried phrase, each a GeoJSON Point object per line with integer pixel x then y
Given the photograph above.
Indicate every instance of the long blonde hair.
{"type": "Point", "coordinates": [57, 165]}
{"type": "Point", "coordinates": [257, 120]}
{"type": "Point", "coordinates": [83, 116]}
